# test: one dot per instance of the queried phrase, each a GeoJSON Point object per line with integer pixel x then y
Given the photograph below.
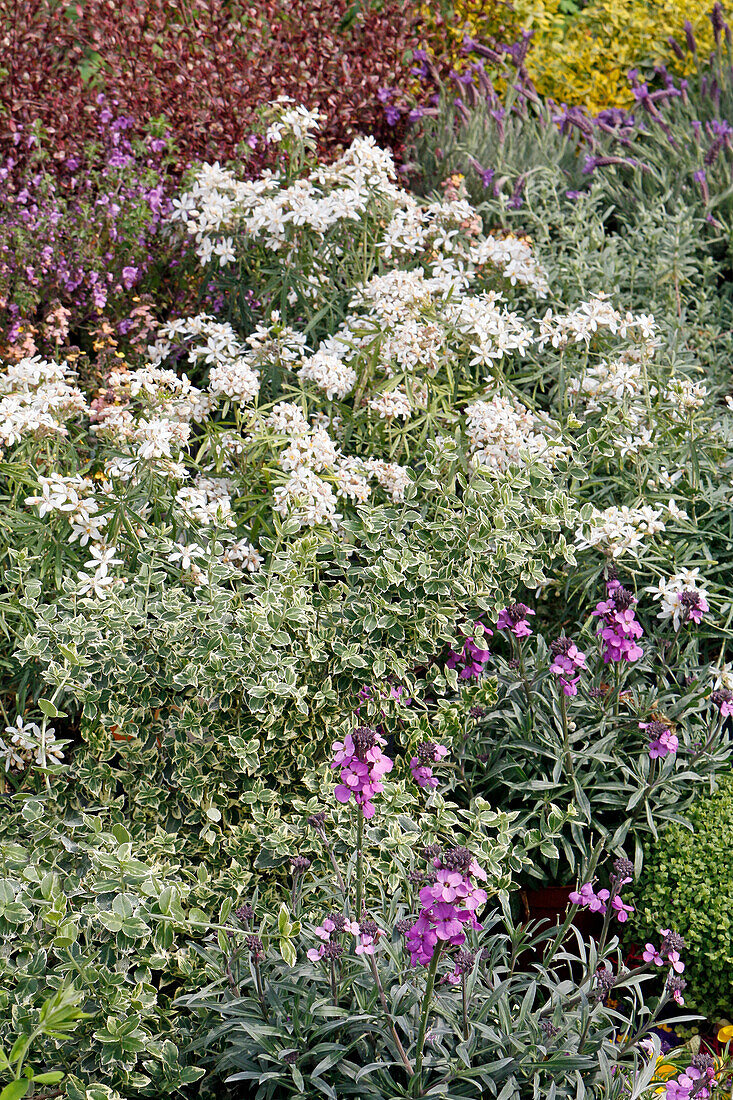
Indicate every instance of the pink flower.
{"type": "Point", "coordinates": [446, 920]}
{"type": "Point", "coordinates": [514, 618]}
{"type": "Point", "coordinates": [621, 629]}
{"type": "Point", "coordinates": [362, 764]}
{"type": "Point", "coordinates": [650, 954]}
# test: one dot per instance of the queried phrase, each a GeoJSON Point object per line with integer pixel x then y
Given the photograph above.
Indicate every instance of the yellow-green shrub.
{"type": "Point", "coordinates": [585, 58]}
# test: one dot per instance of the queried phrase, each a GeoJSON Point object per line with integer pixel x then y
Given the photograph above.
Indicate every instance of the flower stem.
{"type": "Point", "coordinates": [416, 1083]}
{"type": "Point", "coordinates": [568, 756]}
{"type": "Point", "coordinates": [337, 870]}
{"type": "Point", "coordinates": [464, 1005]}
{"type": "Point", "coordinates": [405, 1060]}
{"type": "Point", "coordinates": [359, 861]}
{"type": "Point", "coordinates": [260, 990]}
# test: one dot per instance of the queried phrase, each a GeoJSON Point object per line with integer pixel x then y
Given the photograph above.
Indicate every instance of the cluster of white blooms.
{"type": "Point", "coordinates": [36, 399]}
{"type": "Point", "coordinates": [220, 207]}
{"type": "Point", "coordinates": [319, 474]}
{"type": "Point", "coordinates": [208, 502]}
{"type": "Point", "coordinates": [621, 385]}
{"type": "Point", "coordinates": [685, 395]}
{"type": "Point", "coordinates": [610, 381]}
{"type": "Point", "coordinates": [307, 498]}
{"type": "Point", "coordinates": [297, 122]}
{"type": "Point", "coordinates": [450, 233]}
{"type": "Point", "coordinates": [223, 214]}
{"type": "Point", "coordinates": [313, 448]}
{"type": "Point", "coordinates": [74, 499]}
{"type": "Point", "coordinates": [500, 431]}
{"type": "Point", "coordinates": [682, 597]}
{"type": "Point", "coordinates": [329, 373]}
{"type": "Point", "coordinates": [581, 324]}
{"type": "Point", "coordinates": [490, 330]}
{"type": "Point", "coordinates": [397, 403]}
{"type": "Point", "coordinates": [243, 555]}
{"type": "Point", "coordinates": [26, 743]}
{"type": "Point", "coordinates": [617, 531]}
{"type": "Point", "coordinates": [393, 478]}
{"type": "Point", "coordinates": [232, 365]}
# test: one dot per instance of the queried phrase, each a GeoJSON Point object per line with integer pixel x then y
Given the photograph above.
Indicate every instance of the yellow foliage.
{"type": "Point", "coordinates": [585, 58]}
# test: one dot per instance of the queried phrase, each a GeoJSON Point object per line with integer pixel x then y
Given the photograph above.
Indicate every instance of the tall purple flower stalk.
{"type": "Point", "coordinates": [620, 629]}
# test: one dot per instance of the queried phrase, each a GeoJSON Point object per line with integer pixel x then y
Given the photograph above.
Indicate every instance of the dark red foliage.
{"type": "Point", "coordinates": [204, 64]}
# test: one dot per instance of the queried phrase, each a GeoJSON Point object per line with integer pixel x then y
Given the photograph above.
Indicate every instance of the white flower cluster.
{"type": "Point", "coordinates": [232, 366]}
{"type": "Point", "coordinates": [450, 233]}
{"type": "Point", "coordinates": [208, 502]}
{"type": "Point", "coordinates": [617, 531]}
{"type": "Point", "coordinates": [329, 373]}
{"type": "Point", "coordinates": [580, 325]}
{"type": "Point", "coordinates": [680, 595]}
{"type": "Point", "coordinates": [223, 213]}
{"type": "Point", "coordinates": [502, 432]}
{"type": "Point", "coordinates": [308, 497]}
{"type": "Point", "coordinates": [37, 398]}
{"type": "Point", "coordinates": [297, 122]}
{"type": "Point", "coordinates": [74, 499]}
{"type": "Point", "coordinates": [685, 396]}
{"type": "Point", "coordinates": [397, 403]}
{"type": "Point", "coordinates": [26, 743]}
{"type": "Point", "coordinates": [620, 385]}
{"type": "Point", "coordinates": [220, 207]}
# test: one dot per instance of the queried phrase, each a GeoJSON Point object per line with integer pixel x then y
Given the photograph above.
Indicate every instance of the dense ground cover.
{"type": "Point", "coordinates": [366, 545]}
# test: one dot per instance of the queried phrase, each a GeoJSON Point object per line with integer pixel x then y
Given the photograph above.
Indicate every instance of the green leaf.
{"type": "Point", "coordinates": [48, 708]}
{"type": "Point", "coordinates": [288, 952]}
{"type": "Point", "coordinates": [15, 1090]}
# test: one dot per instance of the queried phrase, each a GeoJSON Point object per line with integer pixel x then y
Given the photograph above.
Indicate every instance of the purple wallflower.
{"type": "Point", "coordinates": [663, 741]}
{"type": "Point", "coordinates": [471, 659]}
{"type": "Point", "coordinates": [620, 630]}
{"type": "Point", "coordinates": [514, 618]}
{"type": "Point", "coordinates": [568, 659]}
{"type": "Point", "coordinates": [363, 765]}
{"type": "Point", "coordinates": [449, 905]}
{"type": "Point", "coordinates": [427, 754]}
{"type": "Point", "coordinates": [723, 699]}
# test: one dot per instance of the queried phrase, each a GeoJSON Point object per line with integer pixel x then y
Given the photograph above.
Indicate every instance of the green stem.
{"type": "Point", "coordinates": [416, 1084]}
{"type": "Point", "coordinates": [260, 990]}
{"type": "Point", "coordinates": [567, 755]}
{"type": "Point", "coordinates": [464, 1005]}
{"type": "Point", "coordinates": [359, 861]}
{"type": "Point", "coordinates": [525, 683]}
{"type": "Point", "coordinates": [390, 1021]}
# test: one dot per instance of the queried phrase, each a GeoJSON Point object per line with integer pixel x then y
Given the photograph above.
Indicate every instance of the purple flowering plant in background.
{"type": "Point", "coordinates": [617, 730]}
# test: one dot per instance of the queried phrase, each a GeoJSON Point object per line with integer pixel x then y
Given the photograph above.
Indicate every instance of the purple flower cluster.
{"type": "Point", "coordinates": [471, 659]}
{"type": "Point", "coordinates": [663, 741]}
{"type": "Point", "coordinates": [427, 754]}
{"type": "Point", "coordinates": [514, 618]}
{"type": "Point", "coordinates": [337, 925]}
{"type": "Point", "coordinates": [449, 905]}
{"type": "Point", "coordinates": [567, 659]}
{"type": "Point", "coordinates": [620, 628]}
{"type": "Point", "coordinates": [668, 952]}
{"type": "Point", "coordinates": [362, 764]}
{"type": "Point", "coordinates": [81, 238]}
{"type": "Point", "coordinates": [588, 898]}
{"type": "Point", "coordinates": [598, 901]}
{"type": "Point", "coordinates": [723, 700]}
{"type": "Point", "coordinates": [694, 1081]}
